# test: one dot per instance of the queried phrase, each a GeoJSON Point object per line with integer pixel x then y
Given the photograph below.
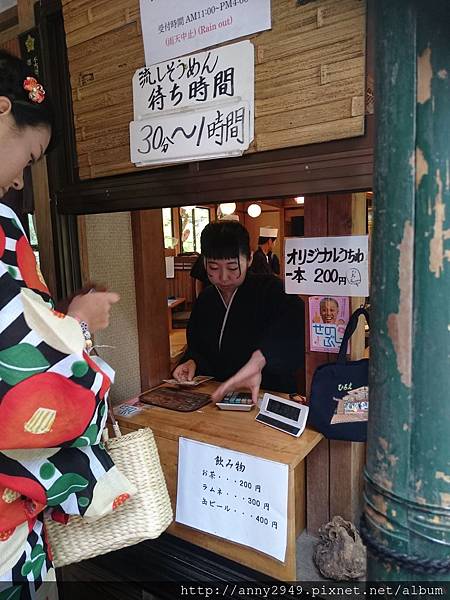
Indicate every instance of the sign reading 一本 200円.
{"type": "Point", "coordinates": [327, 265]}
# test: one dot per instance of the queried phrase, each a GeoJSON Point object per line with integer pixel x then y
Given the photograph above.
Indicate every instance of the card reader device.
{"type": "Point", "coordinates": [282, 414]}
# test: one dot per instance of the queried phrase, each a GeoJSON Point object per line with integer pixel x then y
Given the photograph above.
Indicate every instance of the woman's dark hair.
{"type": "Point", "coordinates": [13, 72]}
{"type": "Point", "coordinates": [225, 239]}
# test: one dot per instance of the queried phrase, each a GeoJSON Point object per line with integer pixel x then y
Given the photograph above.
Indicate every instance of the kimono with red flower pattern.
{"type": "Point", "coordinates": [52, 412]}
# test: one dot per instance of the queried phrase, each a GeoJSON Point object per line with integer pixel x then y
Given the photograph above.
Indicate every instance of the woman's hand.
{"type": "Point", "coordinates": [93, 308]}
{"type": "Point", "coordinates": [185, 371]}
{"type": "Point", "coordinates": [248, 377]}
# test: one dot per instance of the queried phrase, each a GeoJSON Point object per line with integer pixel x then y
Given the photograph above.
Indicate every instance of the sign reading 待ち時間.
{"type": "Point", "coordinates": [173, 28]}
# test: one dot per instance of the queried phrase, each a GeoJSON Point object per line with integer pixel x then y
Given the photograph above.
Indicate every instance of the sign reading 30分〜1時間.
{"type": "Point", "coordinates": [327, 265]}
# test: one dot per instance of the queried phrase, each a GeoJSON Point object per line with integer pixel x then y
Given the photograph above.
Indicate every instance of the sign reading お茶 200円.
{"type": "Point", "coordinates": [172, 28]}
{"type": "Point", "coordinates": [327, 266]}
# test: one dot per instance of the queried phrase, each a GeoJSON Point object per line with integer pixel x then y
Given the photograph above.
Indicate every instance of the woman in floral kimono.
{"type": "Point", "coordinates": [52, 394]}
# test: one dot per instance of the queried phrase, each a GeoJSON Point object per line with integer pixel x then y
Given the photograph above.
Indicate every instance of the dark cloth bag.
{"type": "Point", "coordinates": [333, 380]}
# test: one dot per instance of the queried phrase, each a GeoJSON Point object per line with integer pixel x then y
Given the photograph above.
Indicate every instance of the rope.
{"type": "Point", "coordinates": [409, 562]}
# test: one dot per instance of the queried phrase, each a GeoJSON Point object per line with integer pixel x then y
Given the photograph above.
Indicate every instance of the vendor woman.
{"type": "Point", "coordinates": [244, 330]}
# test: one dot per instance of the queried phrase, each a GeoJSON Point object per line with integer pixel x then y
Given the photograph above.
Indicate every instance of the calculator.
{"type": "Point", "coordinates": [236, 401]}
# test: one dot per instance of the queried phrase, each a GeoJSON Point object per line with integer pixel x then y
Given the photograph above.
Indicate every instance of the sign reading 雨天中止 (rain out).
{"type": "Point", "coordinates": [173, 28]}
{"type": "Point", "coordinates": [327, 266]}
{"type": "Point", "coordinates": [195, 107]}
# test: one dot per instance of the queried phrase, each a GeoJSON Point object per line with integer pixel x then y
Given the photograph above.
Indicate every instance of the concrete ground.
{"type": "Point", "coordinates": [306, 570]}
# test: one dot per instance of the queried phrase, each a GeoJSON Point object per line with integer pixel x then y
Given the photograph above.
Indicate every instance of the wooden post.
{"type": "Point", "coordinates": [347, 215]}
{"type": "Point", "coordinates": [408, 478]}
{"type": "Point", "coordinates": [151, 296]}
{"type": "Point", "coordinates": [8, 38]}
{"type": "Point", "coordinates": [334, 469]}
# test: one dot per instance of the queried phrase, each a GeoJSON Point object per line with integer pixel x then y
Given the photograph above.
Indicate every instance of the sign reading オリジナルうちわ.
{"type": "Point", "coordinates": [327, 266]}
{"type": "Point", "coordinates": [195, 107]}
{"type": "Point", "coordinates": [172, 28]}
{"type": "Point", "coordinates": [235, 496]}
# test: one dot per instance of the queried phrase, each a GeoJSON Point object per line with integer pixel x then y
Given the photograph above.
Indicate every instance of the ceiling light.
{"type": "Point", "coordinates": [227, 208]}
{"type": "Point", "coordinates": [254, 210]}
{"type": "Point", "coordinates": [299, 199]}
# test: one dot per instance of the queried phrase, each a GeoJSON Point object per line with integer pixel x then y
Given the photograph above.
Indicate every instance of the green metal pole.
{"type": "Point", "coordinates": [407, 490]}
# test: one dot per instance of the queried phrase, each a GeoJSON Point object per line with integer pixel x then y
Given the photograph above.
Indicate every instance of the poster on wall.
{"type": "Point", "coordinates": [172, 28]}
{"type": "Point", "coordinates": [233, 495]}
{"type": "Point", "coordinates": [327, 266]}
{"type": "Point", "coordinates": [328, 318]}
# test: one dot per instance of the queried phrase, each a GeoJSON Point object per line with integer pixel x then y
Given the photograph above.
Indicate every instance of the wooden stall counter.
{"type": "Point", "coordinates": [240, 432]}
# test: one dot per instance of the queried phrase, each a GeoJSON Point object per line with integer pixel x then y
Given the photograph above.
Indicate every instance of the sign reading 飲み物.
{"type": "Point", "coordinates": [175, 27]}
{"type": "Point", "coordinates": [235, 496]}
{"type": "Point", "coordinates": [195, 107]}
{"type": "Point", "coordinates": [327, 265]}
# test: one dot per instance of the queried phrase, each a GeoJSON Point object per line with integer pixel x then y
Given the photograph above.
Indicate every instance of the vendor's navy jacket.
{"type": "Point", "coordinates": [260, 316]}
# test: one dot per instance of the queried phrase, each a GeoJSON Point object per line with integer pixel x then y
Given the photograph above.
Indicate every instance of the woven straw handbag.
{"type": "Point", "coordinates": [144, 516]}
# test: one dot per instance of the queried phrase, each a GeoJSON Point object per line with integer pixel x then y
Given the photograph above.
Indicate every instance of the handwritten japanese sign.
{"type": "Point", "coordinates": [196, 107]}
{"type": "Point", "coordinates": [184, 136]}
{"type": "Point", "coordinates": [195, 80]}
{"type": "Point", "coordinates": [235, 496]}
{"type": "Point", "coordinates": [327, 266]}
{"type": "Point", "coordinates": [328, 318]}
{"type": "Point", "coordinates": [173, 28]}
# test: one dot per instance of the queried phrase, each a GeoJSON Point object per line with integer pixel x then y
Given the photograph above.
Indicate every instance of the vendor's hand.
{"type": "Point", "coordinates": [185, 371]}
{"type": "Point", "coordinates": [248, 377]}
{"type": "Point", "coordinates": [93, 308]}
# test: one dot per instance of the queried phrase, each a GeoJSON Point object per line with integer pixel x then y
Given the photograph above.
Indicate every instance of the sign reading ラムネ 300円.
{"type": "Point", "coordinates": [173, 28]}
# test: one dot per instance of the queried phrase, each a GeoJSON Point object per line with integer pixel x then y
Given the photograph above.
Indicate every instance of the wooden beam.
{"type": "Point", "coordinates": [318, 462]}
{"type": "Point", "coordinates": [8, 39]}
{"type": "Point", "coordinates": [151, 296]}
{"type": "Point", "coordinates": [9, 18]}
{"type": "Point", "coordinates": [25, 11]}
{"type": "Point", "coordinates": [44, 229]}
{"type": "Point", "coordinates": [347, 216]}
{"type": "Point", "coordinates": [319, 168]}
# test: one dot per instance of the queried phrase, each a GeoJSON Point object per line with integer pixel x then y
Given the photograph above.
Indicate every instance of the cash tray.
{"type": "Point", "coordinates": [175, 399]}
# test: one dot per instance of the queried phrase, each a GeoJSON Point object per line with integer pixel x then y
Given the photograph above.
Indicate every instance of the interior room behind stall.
{"type": "Point", "coordinates": [182, 228]}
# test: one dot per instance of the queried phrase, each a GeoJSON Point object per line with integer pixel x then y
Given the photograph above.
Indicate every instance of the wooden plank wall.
{"type": "Point", "coordinates": [334, 469]}
{"type": "Point", "coordinates": [310, 76]}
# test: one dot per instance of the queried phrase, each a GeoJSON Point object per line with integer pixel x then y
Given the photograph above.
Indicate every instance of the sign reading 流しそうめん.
{"type": "Point", "coordinates": [235, 496]}
{"type": "Point", "coordinates": [196, 80]}
{"type": "Point", "coordinates": [173, 28]}
{"type": "Point", "coordinates": [327, 266]}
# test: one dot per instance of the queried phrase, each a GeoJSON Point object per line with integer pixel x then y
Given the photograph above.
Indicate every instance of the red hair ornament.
{"type": "Point", "coordinates": [36, 92]}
